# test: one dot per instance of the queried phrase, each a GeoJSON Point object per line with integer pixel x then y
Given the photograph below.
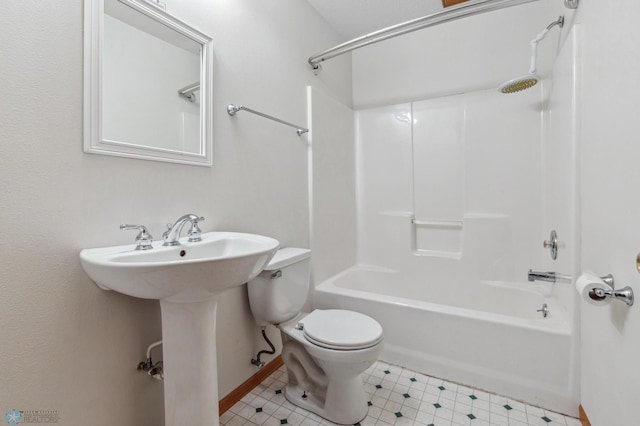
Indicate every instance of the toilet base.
{"type": "Point", "coordinates": [344, 402]}
{"type": "Point", "coordinates": [330, 380]}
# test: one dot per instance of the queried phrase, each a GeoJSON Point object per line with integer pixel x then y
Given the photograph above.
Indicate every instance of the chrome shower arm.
{"type": "Point", "coordinates": [559, 22]}
{"type": "Point", "coordinates": [534, 43]}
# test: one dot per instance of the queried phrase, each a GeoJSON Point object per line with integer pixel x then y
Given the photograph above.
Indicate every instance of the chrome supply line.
{"type": "Point", "coordinates": [187, 91]}
{"type": "Point", "coordinates": [233, 109]}
{"type": "Point", "coordinates": [471, 8]}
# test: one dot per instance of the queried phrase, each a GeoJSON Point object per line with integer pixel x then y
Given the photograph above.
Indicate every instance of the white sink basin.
{"type": "Point", "coordinates": [189, 272]}
{"type": "Point", "coordinates": [187, 279]}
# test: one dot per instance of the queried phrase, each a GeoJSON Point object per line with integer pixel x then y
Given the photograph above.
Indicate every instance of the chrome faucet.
{"type": "Point", "coordinates": [172, 234]}
{"type": "Point", "coordinates": [551, 277]}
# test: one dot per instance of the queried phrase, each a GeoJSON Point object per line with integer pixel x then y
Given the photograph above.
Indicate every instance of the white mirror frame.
{"type": "Point", "coordinates": [93, 47]}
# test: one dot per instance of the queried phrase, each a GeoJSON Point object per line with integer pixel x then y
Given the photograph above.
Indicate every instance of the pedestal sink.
{"type": "Point", "coordinates": [187, 279]}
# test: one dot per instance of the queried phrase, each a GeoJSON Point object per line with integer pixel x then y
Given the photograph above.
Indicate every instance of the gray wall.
{"type": "Point", "coordinates": [67, 345]}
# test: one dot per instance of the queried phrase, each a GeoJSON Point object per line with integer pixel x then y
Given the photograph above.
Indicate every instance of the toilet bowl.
{"type": "Point", "coordinates": [325, 351]}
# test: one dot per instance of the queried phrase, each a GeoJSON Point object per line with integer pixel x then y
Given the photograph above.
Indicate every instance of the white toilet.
{"type": "Point", "coordinates": [325, 351]}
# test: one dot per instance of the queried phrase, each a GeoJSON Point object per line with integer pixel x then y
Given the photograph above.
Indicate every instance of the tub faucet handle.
{"type": "Point", "coordinates": [552, 244]}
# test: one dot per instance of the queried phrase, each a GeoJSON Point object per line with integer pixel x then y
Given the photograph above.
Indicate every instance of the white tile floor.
{"type": "Point", "coordinates": [398, 396]}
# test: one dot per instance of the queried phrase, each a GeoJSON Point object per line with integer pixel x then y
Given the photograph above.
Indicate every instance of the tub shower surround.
{"type": "Point", "coordinates": [449, 222]}
{"type": "Point", "coordinates": [397, 396]}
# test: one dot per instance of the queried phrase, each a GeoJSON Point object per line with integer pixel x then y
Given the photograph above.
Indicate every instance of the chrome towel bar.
{"type": "Point", "coordinates": [233, 109]}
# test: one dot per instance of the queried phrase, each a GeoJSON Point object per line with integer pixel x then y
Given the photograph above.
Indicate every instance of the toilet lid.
{"type": "Point", "coordinates": [340, 329]}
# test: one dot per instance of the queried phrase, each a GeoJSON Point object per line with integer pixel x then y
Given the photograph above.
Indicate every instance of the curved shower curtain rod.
{"type": "Point", "coordinates": [470, 8]}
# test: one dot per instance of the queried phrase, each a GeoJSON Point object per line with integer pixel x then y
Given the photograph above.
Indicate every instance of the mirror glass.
{"type": "Point", "coordinates": [147, 84]}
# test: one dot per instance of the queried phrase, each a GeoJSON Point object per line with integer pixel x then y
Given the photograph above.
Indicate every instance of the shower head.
{"type": "Point", "coordinates": [529, 80]}
{"type": "Point", "coordinates": [519, 84]}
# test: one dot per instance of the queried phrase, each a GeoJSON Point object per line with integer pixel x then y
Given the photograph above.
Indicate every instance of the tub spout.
{"type": "Point", "coordinates": [551, 277]}
{"type": "Point", "coordinates": [541, 276]}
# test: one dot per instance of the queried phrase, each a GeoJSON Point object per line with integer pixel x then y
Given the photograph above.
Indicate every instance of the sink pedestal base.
{"type": "Point", "coordinates": [190, 364]}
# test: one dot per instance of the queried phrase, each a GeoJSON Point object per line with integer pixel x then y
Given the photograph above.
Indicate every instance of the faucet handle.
{"type": "Point", "coordinates": [552, 244]}
{"type": "Point", "coordinates": [165, 233]}
{"type": "Point", "coordinates": [195, 233]}
{"type": "Point", "coordinates": [143, 239]}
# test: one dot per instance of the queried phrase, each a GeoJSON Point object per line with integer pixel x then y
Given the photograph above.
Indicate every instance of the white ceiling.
{"type": "Point", "coordinates": [353, 18]}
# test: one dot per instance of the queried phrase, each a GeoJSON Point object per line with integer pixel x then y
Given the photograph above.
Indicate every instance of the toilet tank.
{"type": "Point", "coordinates": [280, 291]}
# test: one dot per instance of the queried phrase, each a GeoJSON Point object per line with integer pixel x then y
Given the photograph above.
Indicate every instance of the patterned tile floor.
{"type": "Point", "coordinates": [398, 396]}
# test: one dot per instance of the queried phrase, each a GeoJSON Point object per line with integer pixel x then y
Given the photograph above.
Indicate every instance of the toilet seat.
{"type": "Point", "coordinates": [341, 330]}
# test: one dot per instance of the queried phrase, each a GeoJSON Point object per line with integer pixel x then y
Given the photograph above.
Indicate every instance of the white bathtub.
{"type": "Point", "coordinates": [485, 335]}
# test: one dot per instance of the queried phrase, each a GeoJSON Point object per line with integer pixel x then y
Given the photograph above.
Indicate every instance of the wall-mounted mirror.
{"type": "Point", "coordinates": [147, 84]}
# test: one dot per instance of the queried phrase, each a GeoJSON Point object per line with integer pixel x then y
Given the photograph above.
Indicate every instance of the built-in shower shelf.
{"type": "Point", "coordinates": [396, 213]}
{"type": "Point", "coordinates": [444, 224]}
{"type": "Point", "coordinates": [437, 238]}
